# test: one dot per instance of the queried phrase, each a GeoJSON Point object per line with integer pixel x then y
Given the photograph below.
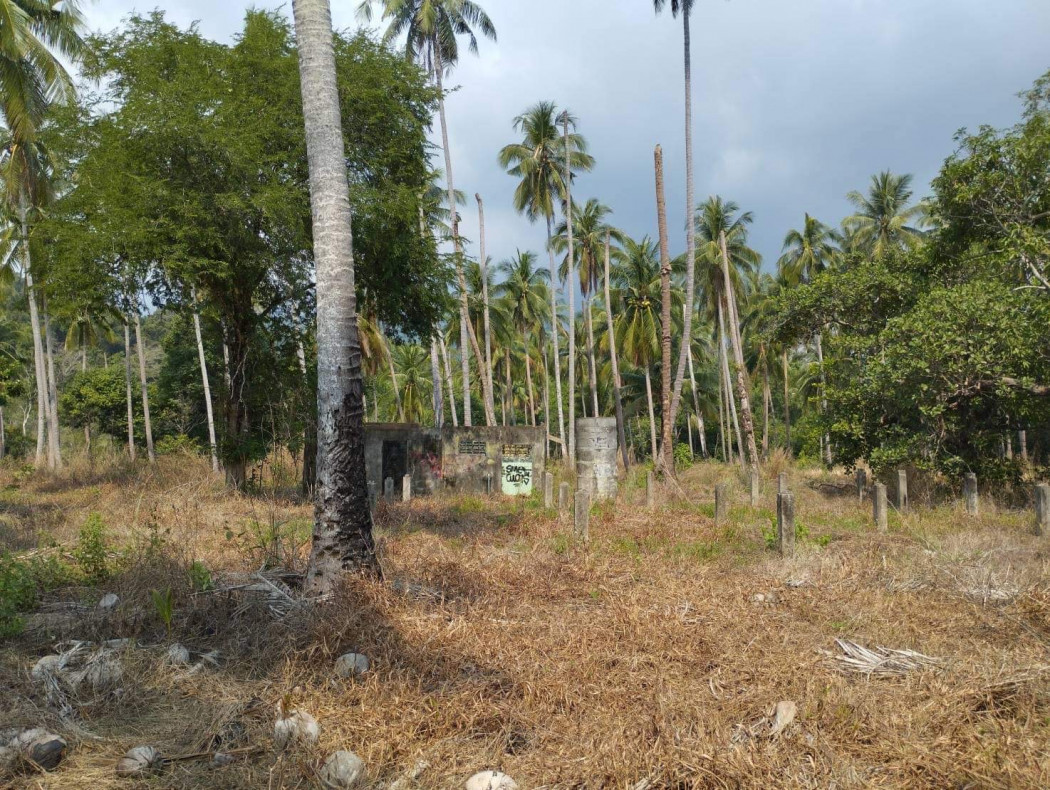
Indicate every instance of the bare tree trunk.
{"type": "Point", "coordinates": [435, 375]}
{"type": "Point", "coordinates": [590, 354]}
{"type": "Point", "coordinates": [696, 404]}
{"type": "Point", "coordinates": [448, 378]}
{"type": "Point", "coordinates": [743, 386]}
{"type": "Point", "coordinates": [127, 384]}
{"type": "Point", "coordinates": [342, 537]}
{"type": "Point", "coordinates": [393, 382]}
{"type": "Point", "coordinates": [723, 433]}
{"type": "Point", "coordinates": [40, 369]}
{"type": "Point", "coordinates": [145, 389]}
{"type": "Point", "coordinates": [570, 289]}
{"type": "Point", "coordinates": [787, 401]}
{"type": "Point", "coordinates": [1022, 440]}
{"type": "Point", "coordinates": [528, 383]}
{"type": "Point", "coordinates": [690, 226]}
{"type": "Point", "coordinates": [613, 358]}
{"type": "Point", "coordinates": [485, 297]}
{"type": "Point", "coordinates": [823, 396]}
{"type": "Point", "coordinates": [767, 404]}
{"type": "Point", "coordinates": [54, 445]}
{"type": "Point", "coordinates": [728, 382]}
{"type": "Point", "coordinates": [665, 459]}
{"type": "Point", "coordinates": [546, 397]}
{"type": "Point", "coordinates": [554, 340]}
{"type": "Point", "coordinates": [703, 433]}
{"type": "Point", "coordinates": [509, 386]}
{"type": "Point", "coordinates": [652, 412]}
{"type": "Point", "coordinates": [3, 435]}
{"type": "Point", "coordinates": [213, 445]}
{"type": "Point", "coordinates": [87, 425]}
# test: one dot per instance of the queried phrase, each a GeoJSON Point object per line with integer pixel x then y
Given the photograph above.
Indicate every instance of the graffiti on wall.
{"type": "Point", "coordinates": [517, 470]}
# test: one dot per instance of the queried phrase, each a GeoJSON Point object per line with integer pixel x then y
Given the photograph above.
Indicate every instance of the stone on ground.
{"type": "Point", "coordinates": [491, 780]}
{"type": "Point", "coordinates": [350, 665]}
{"type": "Point", "coordinates": [343, 770]}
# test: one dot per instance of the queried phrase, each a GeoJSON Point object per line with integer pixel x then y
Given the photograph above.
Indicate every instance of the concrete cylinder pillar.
{"type": "Point", "coordinates": [786, 523]}
{"type": "Point", "coordinates": [879, 508]}
{"type": "Point", "coordinates": [970, 493]}
{"type": "Point", "coordinates": [596, 447]}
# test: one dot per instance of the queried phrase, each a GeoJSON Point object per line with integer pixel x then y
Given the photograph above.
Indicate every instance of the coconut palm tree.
{"type": "Point", "coordinates": [589, 232]}
{"type": "Point", "coordinates": [884, 220]}
{"type": "Point", "coordinates": [412, 366]}
{"type": "Point", "coordinates": [431, 28]}
{"type": "Point", "coordinates": [342, 535]}
{"type": "Point", "coordinates": [808, 252]}
{"type": "Point", "coordinates": [684, 9]}
{"type": "Point", "coordinates": [524, 296]}
{"type": "Point", "coordinates": [537, 162]}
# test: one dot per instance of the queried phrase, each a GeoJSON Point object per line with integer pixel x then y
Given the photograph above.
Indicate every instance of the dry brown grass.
{"type": "Point", "coordinates": [637, 657]}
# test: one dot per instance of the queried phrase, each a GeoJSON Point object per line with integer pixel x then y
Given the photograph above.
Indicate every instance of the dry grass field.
{"type": "Point", "coordinates": [651, 658]}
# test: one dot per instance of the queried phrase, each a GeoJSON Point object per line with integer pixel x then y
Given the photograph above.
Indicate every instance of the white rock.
{"type": "Point", "coordinates": [140, 761]}
{"type": "Point", "coordinates": [296, 727]}
{"type": "Point", "coordinates": [491, 780]}
{"type": "Point", "coordinates": [351, 665]}
{"type": "Point", "coordinates": [178, 655]}
{"type": "Point", "coordinates": [783, 715]}
{"type": "Point", "coordinates": [109, 600]}
{"type": "Point", "coordinates": [48, 665]}
{"type": "Point", "coordinates": [343, 770]}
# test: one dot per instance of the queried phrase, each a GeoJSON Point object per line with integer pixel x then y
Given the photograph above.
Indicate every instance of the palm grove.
{"type": "Point", "coordinates": [189, 266]}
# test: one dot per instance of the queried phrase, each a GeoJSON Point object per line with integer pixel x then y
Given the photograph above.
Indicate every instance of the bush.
{"type": "Point", "coordinates": [683, 456]}
{"type": "Point", "coordinates": [178, 443]}
{"type": "Point", "coordinates": [90, 551]}
{"type": "Point", "coordinates": [17, 594]}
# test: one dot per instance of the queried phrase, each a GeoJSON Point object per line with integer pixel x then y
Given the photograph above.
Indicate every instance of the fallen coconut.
{"type": "Point", "coordinates": [178, 655]}
{"type": "Point", "coordinates": [108, 601]}
{"type": "Point", "coordinates": [38, 747]}
{"type": "Point", "coordinates": [491, 780]}
{"type": "Point", "coordinates": [343, 770]}
{"type": "Point", "coordinates": [140, 761]}
{"type": "Point", "coordinates": [296, 727]}
{"type": "Point", "coordinates": [351, 665]}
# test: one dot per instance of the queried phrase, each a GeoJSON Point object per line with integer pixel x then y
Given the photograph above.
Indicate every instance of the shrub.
{"type": "Point", "coordinates": [683, 456]}
{"type": "Point", "coordinates": [200, 576]}
{"type": "Point", "coordinates": [17, 594]}
{"type": "Point", "coordinates": [90, 551]}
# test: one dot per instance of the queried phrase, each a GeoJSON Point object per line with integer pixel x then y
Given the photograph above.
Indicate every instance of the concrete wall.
{"type": "Point", "coordinates": [464, 459]}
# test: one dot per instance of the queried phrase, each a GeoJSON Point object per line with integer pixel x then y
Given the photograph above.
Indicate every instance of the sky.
{"type": "Point", "coordinates": [795, 102]}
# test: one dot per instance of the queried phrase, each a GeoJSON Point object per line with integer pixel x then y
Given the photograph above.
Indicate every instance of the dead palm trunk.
{"type": "Point", "coordinates": [787, 402]}
{"type": "Point", "coordinates": [613, 358]}
{"type": "Point", "coordinates": [485, 296]}
{"type": "Point", "coordinates": [665, 460]}
{"type": "Point", "coordinates": [342, 536]}
{"type": "Point", "coordinates": [145, 389]}
{"type": "Point", "coordinates": [54, 446]}
{"type": "Point", "coordinates": [213, 445]}
{"type": "Point", "coordinates": [435, 375]}
{"type": "Point", "coordinates": [448, 379]}
{"type": "Point", "coordinates": [127, 386]}
{"type": "Point", "coordinates": [652, 412]}
{"type": "Point", "coordinates": [747, 416]}
{"type": "Point", "coordinates": [570, 289]}
{"type": "Point", "coordinates": [554, 341]}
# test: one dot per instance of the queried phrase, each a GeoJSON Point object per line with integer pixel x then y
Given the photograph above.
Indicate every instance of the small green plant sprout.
{"type": "Point", "coordinates": [164, 605]}
{"type": "Point", "coordinates": [200, 577]}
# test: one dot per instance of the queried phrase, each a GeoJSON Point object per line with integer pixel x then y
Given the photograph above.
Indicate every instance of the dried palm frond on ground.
{"type": "Point", "coordinates": [499, 644]}
{"type": "Point", "coordinates": [880, 661]}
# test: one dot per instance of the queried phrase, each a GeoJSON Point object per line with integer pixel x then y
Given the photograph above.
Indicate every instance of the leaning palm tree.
{"type": "Point", "coordinates": [430, 28]}
{"type": "Point", "coordinates": [684, 8]}
{"type": "Point", "coordinates": [342, 535]}
{"type": "Point", "coordinates": [883, 220]}
{"type": "Point", "coordinates": [537, 162]}
{"type": "Point", "coordinates": [808, 252]}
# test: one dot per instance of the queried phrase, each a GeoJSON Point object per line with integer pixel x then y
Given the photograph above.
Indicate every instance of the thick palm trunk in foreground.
{"type": "Point", "coordinates": [570, 288]}
{"type": "Point", "coordinates": [342, 535]}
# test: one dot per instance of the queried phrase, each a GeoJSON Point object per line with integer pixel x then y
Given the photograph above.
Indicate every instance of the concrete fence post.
{"type": "Point", "coordinates": [563, 497]}
{"type": "Point", "coordinates": [650, 490]}
{"type": "Point", "coordinates": [756, 487]}
{"type": "Point", "coordinates": [548, 490]}
{"type": "Point", "coordinates": [1042, 509]}
{"type": "Point", "coordinates": [721, 504]}
{"type": "Point", "coordinates": [786, 523]}
{"type": "Point", "coordinates": [879, 508]}
{"type": "Point", "coordinates": [862, 484]}
{"type": "Point", "coordinates": [782, 483]}
{"type": "Point", "coordinates": [902, 490]}
{"type": "Point", "coordinates": [582, 521]}
{"type": "Point", "coordinates": [970, 493]}
{"type": "Point", "coordinates": [406, 488]}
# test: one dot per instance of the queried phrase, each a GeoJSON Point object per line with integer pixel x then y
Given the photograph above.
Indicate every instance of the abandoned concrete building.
{"type": "Point", "coordinates": [502, 459]}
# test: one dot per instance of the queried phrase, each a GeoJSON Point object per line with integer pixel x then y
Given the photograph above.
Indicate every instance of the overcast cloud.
{"type": "Point", "coordinates": [796, 102]}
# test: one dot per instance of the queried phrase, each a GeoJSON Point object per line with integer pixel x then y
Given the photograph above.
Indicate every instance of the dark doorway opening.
{"type": "Point", "coordinates": [395, 462]}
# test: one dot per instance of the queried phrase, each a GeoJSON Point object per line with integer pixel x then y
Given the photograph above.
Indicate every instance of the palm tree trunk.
{"type": "Point", "coordinates": [823, 396]}
{"type": "Point", "coordinates": [528, 383]}
{"type": "Point", "coordinates": [727, 381]}
{"type": "Point", "coordinates": [747, 416]}
{"type": "Point", "coordinates": [570, 289]}
{"type": "Point", "coordinates": [87, 425]}
{"type": "Point", "coordinates": [767, 403]}
{"type": "Point", "coordinates": [509, 386]}
{"type": "Point", "coordinates": [546, 397]}
{"type": "Point", "coordinates": [54, 445]}
{"type": "Point", "coordinates": [485, 295]}
{"type": "Point", "coordinates": [702, 429]}
{"type": "Point", "coordinates": [652, 412]}
{"type": "Point", "coordinates": [590, 355]}
{"type": "Point", "coordinates": [342, 537]}
{"type": "Point", "coordinates": [787, 402]}
{"type": "Point", "coordinates": [145, 389]}
{"type": "Point", "coordinates": [722, 432]}
{"type": "Point", "coordinates": [665, 460]}
{"type": "Point", "coordinates": [38, 347]}
{"type": "Point", "coordinates": [213, 445]}
{"type": "Point", "coordinates": [448, 379]}
{"type": "Point", "coordinates": [393, 382]}
{"type": "Point", "coordinates": [127, 386]}
{"type": "Point", "coordinates": [690, 225]}
{"type": "Point", "coordinates": [435, 376]}
{"type": "Point", "coordinates": [615, 361]}
{"type": "Point", "coordinates": [554, 341]}
{"type": "Point", "coordinates": [696, 404]}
